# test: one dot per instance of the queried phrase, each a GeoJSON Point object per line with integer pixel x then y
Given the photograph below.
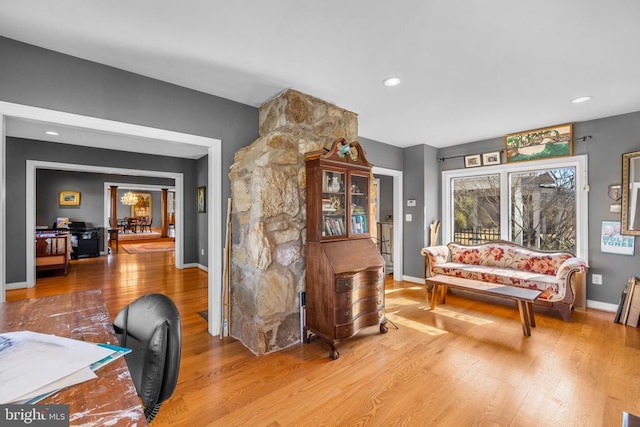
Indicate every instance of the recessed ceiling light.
{"type": "Point", "coordinates": [50, 132]}
{"type": "Point", "coordinates": [392, 81]}
{"type": "Point", "coordinates": [581, 99]}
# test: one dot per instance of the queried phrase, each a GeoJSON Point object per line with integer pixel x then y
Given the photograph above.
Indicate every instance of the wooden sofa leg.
{"type": "Point", "coordinates": [565, 311]}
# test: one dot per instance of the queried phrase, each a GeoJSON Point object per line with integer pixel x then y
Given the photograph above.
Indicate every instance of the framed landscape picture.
{"type": "Point", "coordinates": [556, 141]}
{"type": "Point", "coordinates": [472, 161]}
{"type": "Point", "coordinates": [489, 159]}
{"type": "Point", "coordinates": [69, 198]}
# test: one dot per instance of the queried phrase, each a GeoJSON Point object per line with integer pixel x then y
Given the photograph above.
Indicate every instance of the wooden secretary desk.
{"type": "Point", "coordinates": [345, 271]}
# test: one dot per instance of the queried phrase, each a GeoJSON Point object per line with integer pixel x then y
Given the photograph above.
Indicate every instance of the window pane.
{"type": "Point", "coordinates": [476, 209]}
{"type": "Point", "coordinates": [543, 209]}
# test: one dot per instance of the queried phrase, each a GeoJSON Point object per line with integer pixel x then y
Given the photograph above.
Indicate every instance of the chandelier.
{"type": "Point", "coordinates": [129, 199]}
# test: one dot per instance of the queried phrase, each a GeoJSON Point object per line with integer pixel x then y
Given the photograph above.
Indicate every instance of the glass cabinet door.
{"type": "Point", "coordinates": [359, 204]}
{"type": "Point", "coordinates": [333, 204]}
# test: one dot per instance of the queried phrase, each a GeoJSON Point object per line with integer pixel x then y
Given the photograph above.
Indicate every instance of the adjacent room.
{"type": "Point", "coordinates": [286, 214]}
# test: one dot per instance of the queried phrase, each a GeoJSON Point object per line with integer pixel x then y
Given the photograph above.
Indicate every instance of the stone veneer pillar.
{"type": "Point", "coordinates": [268, 217]}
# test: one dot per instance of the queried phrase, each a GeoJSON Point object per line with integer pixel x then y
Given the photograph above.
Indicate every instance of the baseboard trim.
{"type": "Point", "coordinates": [413, 279]}
{"type": "Point", "coordinates": [190, 265]}
{"type": "Point", "coordinates": [203, 267]}
{"type": "Point", "coordinates": [603, 306]}
{"type": "Point", "coordinates": [15, 285]}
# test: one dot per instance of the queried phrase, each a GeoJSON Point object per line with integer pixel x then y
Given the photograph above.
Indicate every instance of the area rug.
{"type": "Point", "coordinates": [138, 236]}
{"type": "Point", "coordinates": [143, 248]}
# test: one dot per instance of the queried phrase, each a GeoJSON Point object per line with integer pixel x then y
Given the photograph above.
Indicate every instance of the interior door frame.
{"type": "Point", "coordinates": [214, 184]}
{"type": "Point", "coordinates": [398, 259]}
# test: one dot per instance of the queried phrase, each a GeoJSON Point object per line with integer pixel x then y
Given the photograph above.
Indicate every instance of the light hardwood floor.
{"type": "Point", "coordinates": [466, 364]}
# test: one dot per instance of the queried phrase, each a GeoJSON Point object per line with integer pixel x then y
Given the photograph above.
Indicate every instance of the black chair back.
{"type": "Point", "coordinates": [150, 327]}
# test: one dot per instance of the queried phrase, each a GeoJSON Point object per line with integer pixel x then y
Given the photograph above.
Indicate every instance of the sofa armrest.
{"type": "Point", "coordinates": [566, 275]}
{"type": "Point", "coordinates": [572, 265]}
{"type": "Point", "coordinates": [434, 255]}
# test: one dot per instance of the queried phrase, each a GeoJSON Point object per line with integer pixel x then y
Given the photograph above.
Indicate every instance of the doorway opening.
{"type": "Point", "coordinates": [149, 140]}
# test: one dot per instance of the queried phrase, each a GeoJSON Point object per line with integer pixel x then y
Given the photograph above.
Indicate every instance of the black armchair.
{"type": "Point", "coordinates": [150, 327]}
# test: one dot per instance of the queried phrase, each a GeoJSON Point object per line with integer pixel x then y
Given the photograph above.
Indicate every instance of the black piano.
{"type": "Point", "coordinates": [85, 241]}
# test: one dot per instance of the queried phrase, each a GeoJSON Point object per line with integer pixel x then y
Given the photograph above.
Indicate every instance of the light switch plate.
{"type": "Point", "coordinates": [596, 279]}
{"type": "Point", "coordinates": [411, 202]}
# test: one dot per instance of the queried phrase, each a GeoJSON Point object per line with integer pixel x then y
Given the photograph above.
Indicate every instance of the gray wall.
{"type": "Point", "coordinates": [386, 196]}
{"type": "Point", "coordinates": [610, 138]}
{"type": "Point", "coordinates": [20, 150]}
{"type": "Point", "coordinates": [43, 78]}
{"type": "Point", "coordinates": [49, 183]}
{"type": "Point", "coordinates": [421, 183]}
{"type": "Point", "coordinates": [381, 154]}
{"type": "Point", "coordinates": [202, 219]}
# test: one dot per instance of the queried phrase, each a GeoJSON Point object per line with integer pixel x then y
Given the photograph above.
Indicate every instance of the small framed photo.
{"type": "Point", "coordinates": [489, 159]}
{"type": "Point", "coordinates": [69, 198]}
{"type": "Point", "coordinates": [612, 242]}
{"type": "Point", "coordinates": [201, 199]}
{"type": "Point", "coordinates": [472, 161]}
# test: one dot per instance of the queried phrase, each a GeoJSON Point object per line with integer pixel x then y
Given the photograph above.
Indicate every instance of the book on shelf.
{"type": "Point", "coordinates": [334, 227]}
{"type": "Point", "coordinates": [359, 224]}
{"type": "Point", "coordinates": [634, 305]}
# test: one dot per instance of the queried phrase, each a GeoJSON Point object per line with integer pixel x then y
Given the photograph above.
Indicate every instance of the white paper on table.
{"type": "Point", "coordinates": [30, 360]}
{"type": "Point", "coordinates": [84, 374]}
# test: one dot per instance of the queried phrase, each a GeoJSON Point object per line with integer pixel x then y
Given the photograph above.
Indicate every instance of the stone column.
{"type": "Point", "coordinates": [268, 217]}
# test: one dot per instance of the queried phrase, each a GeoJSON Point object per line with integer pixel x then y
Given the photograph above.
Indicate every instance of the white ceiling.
{"type": "Point", "coordinates": [470, 69]}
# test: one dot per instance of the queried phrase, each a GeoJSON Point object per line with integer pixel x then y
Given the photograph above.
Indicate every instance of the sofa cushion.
{"type": "Point", "coordinates": [547, 284]}
{"type": "Point", "coordinates": [507, 256]}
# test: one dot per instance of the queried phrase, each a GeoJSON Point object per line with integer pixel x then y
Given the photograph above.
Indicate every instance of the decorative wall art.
{"type": "Point", "coordinates": [489, 159]}
{"type": "Point", "coordinates": [144, 205]}
{"type": "Point", "coordinates": [201, 199]}
{"type": "Point", "coordinates": [612, 242]}
{"type": "Point", "coordinates": [472, 161]}
{"type": "Point", "coordinates": [556, 141]}
{"type": "Point", "coordinates": [69, 198]}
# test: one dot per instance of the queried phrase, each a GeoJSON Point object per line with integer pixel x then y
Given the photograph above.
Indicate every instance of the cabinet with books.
{"type": "Point", "coordinates": [345, 271]}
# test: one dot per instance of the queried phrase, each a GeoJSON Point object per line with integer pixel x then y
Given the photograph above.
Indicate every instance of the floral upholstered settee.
{"type": "Point", "coordinates": [555, 274]}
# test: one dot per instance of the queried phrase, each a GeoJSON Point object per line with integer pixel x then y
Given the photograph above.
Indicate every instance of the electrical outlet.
{"type": "Point", "coordinates": [411, 202]}
{"type": "Point", "coordinates": [408, 217]}
{"type": "Point", "coordinates": [596, 279]}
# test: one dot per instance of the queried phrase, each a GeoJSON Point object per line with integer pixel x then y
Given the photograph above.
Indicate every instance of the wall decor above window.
{"type": "Point", "coordinates": [555, 141]}
{"type": "Point", "coordinates": [472, 161]}
{"type": "Point", "coordinates": [489, 159]}
{"type": "Point", "coordinates": [69, 198]}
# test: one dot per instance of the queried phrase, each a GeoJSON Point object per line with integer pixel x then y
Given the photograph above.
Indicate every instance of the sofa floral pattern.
{"type": "Point", "coordinates": [507, 264]}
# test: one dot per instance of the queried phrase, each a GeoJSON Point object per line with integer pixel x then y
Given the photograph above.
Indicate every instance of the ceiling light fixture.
{"type": "Point", "coordinates": [391, 81]}
{"type": "Point", "coordinates": [581, 99]}
{"type": "Point", "coordinates": [129, 199]}
{"type": "Point", "coordinates": [50, 132]}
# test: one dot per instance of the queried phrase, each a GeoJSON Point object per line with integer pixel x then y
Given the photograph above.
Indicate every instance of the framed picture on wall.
{"type": "Point", "coordinates": [69, 198]}
{"type": "Point", "coordinates": [612, 242]}
{"type": "Point", "coordinates": [472, 161]}
{"type": "Point", "coordinates": [489, 159]}
{"type": "Point", "coordinates": [201, 199]}
{"type": "Point", "coordinates": [539, 144]}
